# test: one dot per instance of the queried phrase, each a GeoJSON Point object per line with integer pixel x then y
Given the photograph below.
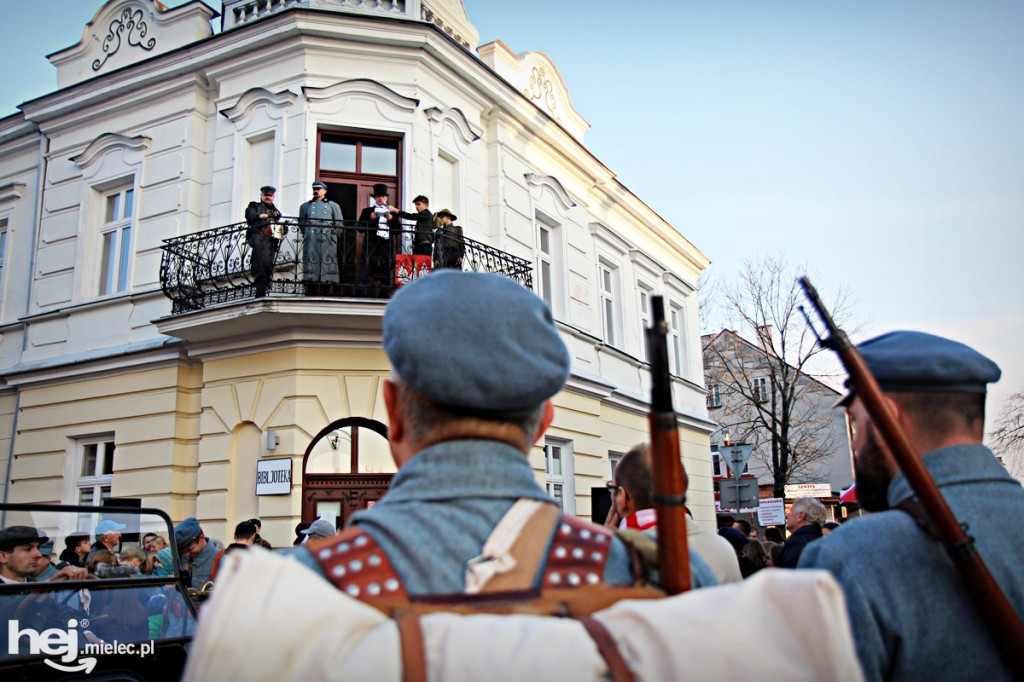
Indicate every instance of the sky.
{"type": "Point", "coordinates": [879, 143]}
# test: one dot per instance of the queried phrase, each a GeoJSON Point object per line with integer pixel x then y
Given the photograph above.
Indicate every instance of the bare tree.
{"type": "Point", "coordinates": [1008, 437]}
{"type": "Point", "coordinates": [768, 385]}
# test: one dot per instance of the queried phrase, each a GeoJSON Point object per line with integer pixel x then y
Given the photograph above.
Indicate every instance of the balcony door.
{"type": "Point", "coordinates": [351, 164]}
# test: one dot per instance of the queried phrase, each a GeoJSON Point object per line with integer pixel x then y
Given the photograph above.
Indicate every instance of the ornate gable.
{"type": "Point", "coordinates": [534, 75]}
{"type": "Point", "coordinates": [124, 32]}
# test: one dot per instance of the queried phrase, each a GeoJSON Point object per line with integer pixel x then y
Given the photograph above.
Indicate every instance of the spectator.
{"type": "Point", "coordinates": [108, 537]}
{"type": "Point", "coordinates": [76, 549]}
{"type": "Point", "coordinates": [829, 527]}
{"type": "Point", "coordinates": [803, 522]}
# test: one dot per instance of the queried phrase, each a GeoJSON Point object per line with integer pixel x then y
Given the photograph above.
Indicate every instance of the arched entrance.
{"type": "Point", "coordinates": [347, 467]}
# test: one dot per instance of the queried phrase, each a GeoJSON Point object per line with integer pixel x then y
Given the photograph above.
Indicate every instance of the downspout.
{"type": "Point", "coordinates": [44, 150]}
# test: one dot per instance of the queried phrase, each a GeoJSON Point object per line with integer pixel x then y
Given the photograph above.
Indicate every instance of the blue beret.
{"type": "Point", "coordinates": [476, 341]}
{"type": "Point", "coordinates": [915, 362]}
{"type": "Point", "coordinates": [187, 531]}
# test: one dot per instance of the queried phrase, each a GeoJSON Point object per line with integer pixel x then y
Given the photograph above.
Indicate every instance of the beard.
{"type": "Point", "coordinates": [872, 475]}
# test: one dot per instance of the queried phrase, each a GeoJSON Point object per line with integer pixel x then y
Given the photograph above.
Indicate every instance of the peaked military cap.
{"type": "Point", "coordinates": [915, 362]}
{"type": "Point", "coordinates": [268, 188]}
{"type": "Point", "coordinates": [187, 531]}
{"type": "Point", "coordinates": [319, 184]}
{"type": "Point", "coordinates": [475, 341]}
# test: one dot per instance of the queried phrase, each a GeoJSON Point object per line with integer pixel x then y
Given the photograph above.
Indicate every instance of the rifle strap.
{"type": "Point", "coordinates": [618, 671]}
{"type": "Point", "coordinates": [917, 511]}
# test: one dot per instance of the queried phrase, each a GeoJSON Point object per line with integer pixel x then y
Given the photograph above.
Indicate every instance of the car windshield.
{"type": "Point", "coordinates": [88, 576]}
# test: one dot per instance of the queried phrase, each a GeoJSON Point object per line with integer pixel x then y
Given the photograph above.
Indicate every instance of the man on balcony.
{"type": "Point", "coordinates": [318, 220]}
{"type": "Point", "coordinates": [375, 251]}
{"type": "Point", "coordinates": [262, 216]}
{"type": "Point", "coordinates": [449, 248]}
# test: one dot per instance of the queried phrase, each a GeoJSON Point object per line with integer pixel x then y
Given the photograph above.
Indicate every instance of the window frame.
{"type": "Point", "coordinates": [97, 480]}
{"type": "Point", "coordinates": [676, 338]}
{"type": "Point", "coordinates": [761, 389]}
{"type": "Point", "coordinates": [564, 479]}
{"type": "Point", "coordinates": [714, 396]}
{"type": "Point", "coordinates": [610, 302]}
{"type": "Point", "coordinates": [4, 239]}
{"type": "Point", "coordinates": [115, 239]}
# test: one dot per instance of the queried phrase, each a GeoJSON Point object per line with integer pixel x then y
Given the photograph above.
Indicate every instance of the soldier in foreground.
{"type": "Point", "coordinates": [911, 615]}
{"type": "Point", "coordinates": [476, 359]}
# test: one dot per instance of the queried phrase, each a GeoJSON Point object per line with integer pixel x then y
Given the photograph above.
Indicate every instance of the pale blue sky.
{"type": "Point", "coordinates": [879, 141]}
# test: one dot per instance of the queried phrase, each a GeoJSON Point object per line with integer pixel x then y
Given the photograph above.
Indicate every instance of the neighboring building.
{"type": "Point", "coordinates": [163, 129]}
{"type": "Point", "coordinates": [745, 386]}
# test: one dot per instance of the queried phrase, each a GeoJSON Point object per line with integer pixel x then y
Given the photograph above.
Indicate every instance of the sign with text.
{"type": "Point", "coordinates": [772, 511]}
{"type": "Point", "coordinates": [808, 490]}
{"type": "Point", "coordinates": [274, 476]}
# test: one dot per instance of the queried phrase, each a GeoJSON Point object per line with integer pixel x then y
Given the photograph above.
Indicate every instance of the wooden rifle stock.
{"type": "Point", "coordinates": [666, 465]}
{"type": "Point", "coordinates": [1004, 624]}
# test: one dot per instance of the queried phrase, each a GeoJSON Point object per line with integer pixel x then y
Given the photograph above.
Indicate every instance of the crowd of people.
{"type": "Point", "coordinates": [378, 239]}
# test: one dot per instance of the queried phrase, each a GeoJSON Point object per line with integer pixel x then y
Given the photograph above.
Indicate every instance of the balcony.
{"type": "Point", "coordinates": [314, 259]}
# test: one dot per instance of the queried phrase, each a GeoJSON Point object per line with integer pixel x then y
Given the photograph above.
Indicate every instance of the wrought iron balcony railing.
{"type": "Point", "coordinates": [313, 258]}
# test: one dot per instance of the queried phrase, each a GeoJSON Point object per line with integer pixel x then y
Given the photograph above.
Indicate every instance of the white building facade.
{"type": "Point", "coordinates": [161, 127]}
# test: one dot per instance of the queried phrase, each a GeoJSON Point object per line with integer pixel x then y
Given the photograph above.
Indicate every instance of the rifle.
{"type": "Point", "coordinates": [666, 466]}
{"type": "Point", "coordinates": [1004, 624]}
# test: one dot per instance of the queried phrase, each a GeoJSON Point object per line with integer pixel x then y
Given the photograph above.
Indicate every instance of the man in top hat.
{"type": "Point", "coordinates": [319, 218]}
{"type": "Point", "coordinates": [108, 537]}
{"type": "Point", "coordinates": [262, 217]}
{"type": "Point", "coordinates": [449, 247]}
{"type": "Point", "coordinates": [20, 557]}
{"type": "Point", "coordinates": [461, 441]}
{"type": "Point", "coordinates": [380, 230]}
{"type": "Point", "coordinates": [911, 615]}
{"type": "Point", "coordinates": [197, 549]}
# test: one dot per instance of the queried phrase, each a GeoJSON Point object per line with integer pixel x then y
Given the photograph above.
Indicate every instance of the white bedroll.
{"type": "Point", "coordinates": [271, 619]}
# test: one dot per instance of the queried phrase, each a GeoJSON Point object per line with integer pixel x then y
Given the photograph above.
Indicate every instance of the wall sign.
{"type": "Point", "coordinates": [274, 476]}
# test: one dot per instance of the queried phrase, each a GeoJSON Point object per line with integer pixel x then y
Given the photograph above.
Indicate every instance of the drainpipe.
{"type": "Point", "coordinates": [44, 150]}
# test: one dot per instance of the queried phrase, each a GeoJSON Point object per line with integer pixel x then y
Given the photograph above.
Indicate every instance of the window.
{"type": "Point", "coordinates": [116, 240]}
{"type": "Point", "coordinates": [714, 396]}
{"type": "Point", "coordinates": [609, 276]}
{"type": "Point", "coordinates": [544, 251]}
{"type": "Point", "coordinates": [558, 473]}
{"type": "Point", "coordinates": [613, 459]}
{"type": "Point", "coordinates": [761, 393]}
{"type": "Point", "coordinates": [3, 250]}
{"type": "Point", "coordinates": [96, 471]}
{"type": "Point", "coordinates": [675, 339]}
{"type": "Point", "coordinates": [645, 318]}
{"type": "Point", "coordinates": [717, 469]}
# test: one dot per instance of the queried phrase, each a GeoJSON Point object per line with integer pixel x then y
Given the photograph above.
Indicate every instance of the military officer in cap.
{"type": "Point", "coordinates": [262, 216]}
{"type": "Point", "coordinates": [912, 617]}
{"type": "Point", "coordinates": [461, 437]}
{"type": "Point", "coordinates": [319, 218]}
{"type": "Point", "coordinates": [380, 230]}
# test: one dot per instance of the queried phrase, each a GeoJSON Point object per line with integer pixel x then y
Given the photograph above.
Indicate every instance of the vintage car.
{"type": "Point", "coordinates": [120, 623]}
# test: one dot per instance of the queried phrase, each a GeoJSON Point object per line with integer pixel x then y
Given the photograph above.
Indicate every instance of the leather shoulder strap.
{"type": "Point", "coordinates": [917, 511]}
{"type": "Point", "coordinates": [578, 554]}
{"type": "Point", "coordinates": [356, 565]}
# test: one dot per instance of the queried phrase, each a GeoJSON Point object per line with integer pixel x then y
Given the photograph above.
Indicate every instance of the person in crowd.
{"type": "Point", "coordinates": [99, 559]}
{"type": "Point", "coordinates": [910, 611]}
{"type": "Point", "coordinates": [259, 539]}
{"type": "Point", "coordinates": [423, 234]}
{"type": "Point", "coordinates": [754, 552]}
{"type": "Point", "coordinates": [743, 526]}
{"type": "Point", "coordinates": [449, 246]}
{"type": "Point", "coordinates": [76, 549]}
{"type": "Point", "coordinates": [828, 527]}
{"type": "Point", "coordinates": [197, 549]}
{"type": "Point", "coordinates": [45, 568]}
{"type": "Point", "coordinates": [773, 534]}
{"type": "Point", "coordinates": [461, 442]}
{"type": "Point", "coordinates": [108, 538]}
{"type": "Point", "coordinates": [632, 507]}
{"type": "Point", "coordinates": [739, 543]}
{"type": "Point", "coordinates": [299, 536]}
{"type": "Point", "coordinates": [771, 551]}
{"type": "Point", "coordinates": [319, 220]}
{"type": "Point", "coordinates": [245, 536]}
{"type": "Point", "coordinates": [321, 528]}
{"type": "Point", "coordinates": [262, 217]}
{"type": "Point", "coordinates": [376, 239]}
{"type": "Point", "coordinates": [20, 557]}
{"type": "Point", "coordinates": [135, 555]}
{"type": "Point", "coordinates": [803, 522]}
